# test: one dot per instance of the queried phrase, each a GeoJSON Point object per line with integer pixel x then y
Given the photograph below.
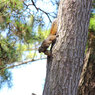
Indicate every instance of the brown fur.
{"type": "Point", "coordinates": [52, 36]}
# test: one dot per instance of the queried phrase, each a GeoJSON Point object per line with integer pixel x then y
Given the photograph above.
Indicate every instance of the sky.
{"type": "Point", "coordinates": [27, 79]}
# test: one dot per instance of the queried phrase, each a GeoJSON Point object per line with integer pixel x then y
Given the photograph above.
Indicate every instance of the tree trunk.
{"type": "Point", "coordinates": [87, 81]}
{"type": "Point", "coordinates": [65, 65]}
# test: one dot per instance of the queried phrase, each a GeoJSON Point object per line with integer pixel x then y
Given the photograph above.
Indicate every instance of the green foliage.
{"type": "Point", "coordinates": [31, 21]}
{"type": "Point", "coordinates": [92, 23]}
{"type": "Point", "coordinates": [11, 4]}
{"type": "Point", "coordinates": [5, 77]}
{"type": "Point", "coordinates": [8, 10]}
{"type": "Point", "coordinates": [23, 31]}
{"type": "Point", "coordinates": [93, 5]}
{"type": "Point", "coordinates": [8, 52]}
{"type": "Point", "coordinates": [20, 31]}
{"type": "Point", "coordinates": [8, 55]}
{"type": "Point", "coordinates": [42, 34]}
{"type": "Point", "coordinates": [91, 33]}
{"type": "Point", "coordinates": [31, 55]}
{"type": "Point", "coordinates": [91, 39]}
{"type": "Point", "coordinates": [21, 48]}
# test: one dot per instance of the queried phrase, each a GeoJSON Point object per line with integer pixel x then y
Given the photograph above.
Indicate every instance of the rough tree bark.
{"type": "Point", "coordinates": [87, 81]}
{"type": "Point", "coordinates": [64, 67]}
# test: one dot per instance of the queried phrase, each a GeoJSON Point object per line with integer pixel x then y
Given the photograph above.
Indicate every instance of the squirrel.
{"type": "Point", "coordinates": [49, 40]}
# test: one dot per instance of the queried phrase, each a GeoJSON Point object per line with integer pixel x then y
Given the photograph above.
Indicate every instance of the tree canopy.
{"type": "Point", "coordinates": [21, 30]}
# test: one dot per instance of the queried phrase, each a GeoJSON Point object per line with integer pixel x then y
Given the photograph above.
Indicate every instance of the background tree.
{"type": "Point", "coordinates": [87, 81]}
{"type": "Point", "coordinates": [65, 65]}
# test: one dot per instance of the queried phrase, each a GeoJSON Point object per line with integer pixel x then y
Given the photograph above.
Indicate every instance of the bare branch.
{"type": "Point", "coordinates": [47, 14]}
{"type": "Point", "coordinates": [39, 9]}
{"type": "Point", "coordinates": [27, 5]}
{"type": "Point", "coordinates": [21, 63]}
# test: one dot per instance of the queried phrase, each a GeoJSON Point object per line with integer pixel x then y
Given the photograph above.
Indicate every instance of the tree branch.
{"type": "Point", "coordinates": [21, 63]}
{"type": "Point", "coordinates": [47, 14]}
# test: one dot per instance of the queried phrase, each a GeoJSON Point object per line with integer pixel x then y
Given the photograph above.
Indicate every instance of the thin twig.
{"type": "Point", "coordinates": [47, 14]}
